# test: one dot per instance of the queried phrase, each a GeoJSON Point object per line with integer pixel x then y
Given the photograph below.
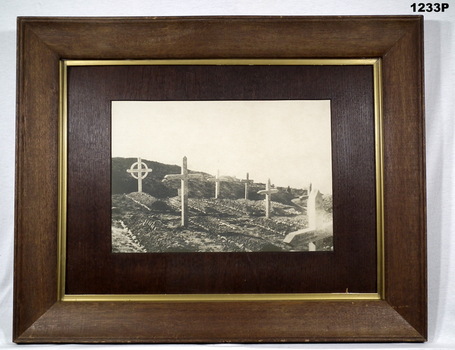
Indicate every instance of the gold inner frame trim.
{"type": "Point", "coordinates": [62, 187]}
{"type": "Point", "coordinates": [221, 297]}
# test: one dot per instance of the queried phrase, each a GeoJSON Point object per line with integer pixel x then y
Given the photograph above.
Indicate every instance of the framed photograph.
{"type": "Point", "coordinates": [221, 213]}
{"type": "Point", "coordinates": [220, 179]}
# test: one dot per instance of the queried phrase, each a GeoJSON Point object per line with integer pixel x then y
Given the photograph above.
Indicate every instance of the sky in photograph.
{"type": "Point", "coordinates": [286, 141]}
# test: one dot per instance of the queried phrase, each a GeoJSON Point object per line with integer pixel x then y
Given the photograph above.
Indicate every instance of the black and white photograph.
{"type": "Point", "coordinates": [221, 176]}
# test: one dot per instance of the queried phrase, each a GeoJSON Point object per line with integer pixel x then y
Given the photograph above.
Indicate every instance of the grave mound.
{"type": "Point", "coordinates": [143, 198]}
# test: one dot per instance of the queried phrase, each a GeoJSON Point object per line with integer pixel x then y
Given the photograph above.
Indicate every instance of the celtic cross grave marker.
{"type": "Point", "coordinates": [139, 171]}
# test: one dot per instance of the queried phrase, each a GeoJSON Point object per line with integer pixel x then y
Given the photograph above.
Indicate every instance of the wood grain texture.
{"type": "Point", "coordinates": [35, 275]}
{"type": "Point", "coordinates": [40, 317]}
{"type": "Point", "coordinates": [205, 37]}
{"type": "Point", "coordinates": [404, 154]}
{"type": "Point", "coordinates": [93, 269]}
{"type": "Point", "coordinates": [225, 322]}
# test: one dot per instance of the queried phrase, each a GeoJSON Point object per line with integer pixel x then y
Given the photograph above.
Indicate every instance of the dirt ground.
{"type": "Point", "coordinates": [142, 223]}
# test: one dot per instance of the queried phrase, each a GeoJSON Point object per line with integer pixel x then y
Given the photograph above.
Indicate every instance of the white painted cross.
{"type": "Point", "coordinates": [139, 172]}
{"type": "Point", "coordinates": [184, 177]}
{"type": "Point", "coordinates": [315, 209]}
{"type": "Point", "coordinates": [247, 182]}
{"type": "Point", "coordinates": [268, 196]}
{"type": "Point", "coordinates": [315, 212]}
{"type": "Point", "coordinates": [217, 180]}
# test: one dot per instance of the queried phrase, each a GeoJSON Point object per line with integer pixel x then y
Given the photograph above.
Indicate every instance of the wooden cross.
{"type": "Point", "coordinates": [315, 209]}
{"type": "Point", "coordinates": [268, 195]}
{"type": "Point", "coordinates": [139, 172]}
{"type": "Point", "coordinates": [217, 181]}
{"type": "Point", "coordinates": [247, 182]}
{"type": "Point", "coordinates": [183, 177]}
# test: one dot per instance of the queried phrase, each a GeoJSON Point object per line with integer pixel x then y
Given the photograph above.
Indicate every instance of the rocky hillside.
{"type": "Point", "coordinates": [123, 183]}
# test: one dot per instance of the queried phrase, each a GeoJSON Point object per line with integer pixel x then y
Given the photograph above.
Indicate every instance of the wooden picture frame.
{"type": "Point", "coordinates": [42, 311]}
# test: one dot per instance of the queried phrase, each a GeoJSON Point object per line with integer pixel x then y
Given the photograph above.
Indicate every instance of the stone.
{"type": "Point", "coordinates": [311, 247]}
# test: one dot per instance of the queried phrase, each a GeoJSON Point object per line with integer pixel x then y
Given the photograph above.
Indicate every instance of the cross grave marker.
{"type": "Point", "coordinates": [218, 181]}
{"type": "Point", "coordinates": [139, 172]}
{"type": "Point", "coordinates": [247, 183]}
{"type": "Point", "coordinates": [268, 197]}
{"type": "Point", "coordinates": [183, 177]}
{"type": "Point", "coordinates": [315, 209]}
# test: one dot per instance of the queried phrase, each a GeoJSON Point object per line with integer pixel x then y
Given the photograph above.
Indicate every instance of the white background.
{"type": "Point", "coordinates": [440, 125]}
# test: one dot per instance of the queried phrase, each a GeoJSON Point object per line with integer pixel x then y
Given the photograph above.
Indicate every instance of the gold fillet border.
{"type": "Point", "coordinates": [62, 187]}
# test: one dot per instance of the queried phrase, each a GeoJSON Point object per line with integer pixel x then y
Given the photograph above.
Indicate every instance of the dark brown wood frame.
{"type": "Point", "coordinates": [39, 314]}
